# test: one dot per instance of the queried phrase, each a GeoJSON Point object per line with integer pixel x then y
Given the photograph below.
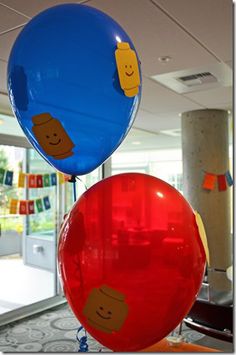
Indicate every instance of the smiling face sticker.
{"type": "Point", "coordinates": [128, 71]}
{"type": "Point", "coordinates": [106, 309]}
{"type": "Point", "coordinates": [52, 137]}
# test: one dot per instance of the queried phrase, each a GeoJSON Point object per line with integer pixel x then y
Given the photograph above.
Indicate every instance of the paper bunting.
{"type": "Point", "coordinates": [13, 206]}
{"type": "Point", "coordinates": [46, 203]}
{"type": "Point", "coordinates": [27, 207]}
{"type": "Point", "coordinates": [39, 205]}
{"type": "Point", "coordinates": [46, 180]}
{"type": "Point", "coordinates": [21, 180]}
{"type": "Point", "coordinates": [53, 179]}
{"type": "Point", "coordinates": [23, 207]}
{"type": "Point", "coordinates": [8, 178]}
{"type": "Point", "coordinates": [229, 178]}
{"type": "Point", "coordinates": [31, 207]}
{"type": "Point", "coordinates": [221, 182]}
{"type": "Point", "coordinates": [209, 181]}
{"type": "Point", "coordinates": [61, 178]}
{"type": "Point", "coordinates": [32, 180]}
{"type": "Point", "coordinates": [222, 179]}
{"type": "Point", "coordinates": [39, 181]}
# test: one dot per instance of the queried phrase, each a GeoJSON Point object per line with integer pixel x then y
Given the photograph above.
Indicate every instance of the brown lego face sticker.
{"type": "Point", "coordinates": [51, 136]}
{"type": "Point", "coordinates": [106, 309]}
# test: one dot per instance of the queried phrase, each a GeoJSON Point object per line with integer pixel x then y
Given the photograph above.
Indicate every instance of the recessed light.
{"type": "Point", "coordinates": [229, 112]}
{"type": "Point", "coordinates": [1, 121]}
{"type": "Point", "coordinates": [136, 142]}
{"type": "Point", "coordinates": [164, 59]}
{"type": "Point", "coordinates": [180, 114]}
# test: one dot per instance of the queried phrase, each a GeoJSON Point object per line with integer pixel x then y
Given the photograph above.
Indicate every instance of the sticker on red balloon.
{"type": "Point", "coordinates": [52, 137]}
{"type": "Point", "coordinates": [106, 309]}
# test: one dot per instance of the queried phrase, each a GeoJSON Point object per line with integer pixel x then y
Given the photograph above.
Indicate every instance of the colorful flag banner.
{"type": "Point", "coordinates": [46, 180]}
{"type": "Point", "coordinates": [46, 202]}
{"type": "Point", "coordinates": [221, 182]}
{"type": "Point", "coordinates": [39, 181]}
{"type": "Point", "coordinates": [209, 181]}
{"type": "Point", "coordinates": [13, 206]}
{"type": "Point", "coordinates": [32, 182]}
{"type": "Point", "coordinates": [2, 174]}
{"type": "Point", "coordinates": [31, 207]}
{"type": "Point", "coordinates": [8, 178]}
{"type": "Point", "coordinates": [23, 207]}
{"type": "Point", "coordinates": [222, 179]}
{"type": "Point", "coordinates": [21, 180]}
{"type": "Point", "coordinates": [229, 179]}
{"type": "Point", "coordinates": [39, 204]}
{"type": "Point", "coordinates": [53, 179]}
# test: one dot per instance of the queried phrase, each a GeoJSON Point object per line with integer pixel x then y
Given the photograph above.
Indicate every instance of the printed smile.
{"type": "Point", "coordinates": [55, 143]}
{"type": "Point", "coordinates": [100, 315]}
{"type": "Point", "coordinates": [129, 74]}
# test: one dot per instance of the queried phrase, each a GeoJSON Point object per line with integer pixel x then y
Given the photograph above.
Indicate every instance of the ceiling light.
{"type": "Point", "coordinates": [229, 112]}
{"type": "Point", "coordinates": [1, 121]}
{"type": "Point", "coordinates": [164, 59]}
{"type": "Point", "coordinates": [136, 142]}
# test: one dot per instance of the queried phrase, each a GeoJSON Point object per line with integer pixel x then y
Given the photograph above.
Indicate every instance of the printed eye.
{"type": "Point", "coordinates": [126, 66]}
{"type": "Point", "coordinates": [130, 66]}
{"type": "Point", "coordinates": [101, 308]}
{"type": "Point", "coordinates": [54, 134]}
{"type": "Point", "coordinates": [47, 136]}
{"type": "Point", "coordinates": [109, 312]}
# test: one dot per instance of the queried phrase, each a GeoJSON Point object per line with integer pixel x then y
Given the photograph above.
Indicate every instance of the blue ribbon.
{"type": "Point", "coordinates": [83, 346]}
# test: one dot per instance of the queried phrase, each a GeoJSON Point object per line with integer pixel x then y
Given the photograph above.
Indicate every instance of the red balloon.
{"type": "Point", "coordinates": [131, 260]}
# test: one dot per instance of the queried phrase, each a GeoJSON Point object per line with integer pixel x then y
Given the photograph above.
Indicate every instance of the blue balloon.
{"type": "Point", "coordinates": [64, 87]}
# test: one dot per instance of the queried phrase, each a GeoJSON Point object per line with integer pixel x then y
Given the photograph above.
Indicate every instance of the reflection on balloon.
{"type": "Point", "coordinates": [64, 87]}
{"type": "Point", "coordinates": [131, 260]}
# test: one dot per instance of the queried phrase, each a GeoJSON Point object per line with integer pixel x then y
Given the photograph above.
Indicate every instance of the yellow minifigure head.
{"type": "Point", "coordinates": [128, 70]}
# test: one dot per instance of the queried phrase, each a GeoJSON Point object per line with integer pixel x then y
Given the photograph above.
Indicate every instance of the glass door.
{"type": "Point", "coordinates": [27, 225]}
{"type": "Point", "coordinates": [33, 202]}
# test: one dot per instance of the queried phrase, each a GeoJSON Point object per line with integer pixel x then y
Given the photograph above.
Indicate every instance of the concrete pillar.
{"type": "Point", "coordinates": [205, 146]}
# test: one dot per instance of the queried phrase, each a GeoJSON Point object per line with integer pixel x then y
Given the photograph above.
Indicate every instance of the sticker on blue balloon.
{"type": "Point", "coordinates": [64, 87]}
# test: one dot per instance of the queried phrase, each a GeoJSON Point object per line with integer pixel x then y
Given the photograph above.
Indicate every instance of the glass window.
{"type": "Point", "coordinates": [27, 257]}
{"type": "Point", "coordinates": [82, 183]}
{"type": "Point", "coordinates": [42, 223]}
{"type": "Point", "coordinates": [12, 160]}
{"type": "Point", "coordinates": [145, 152]}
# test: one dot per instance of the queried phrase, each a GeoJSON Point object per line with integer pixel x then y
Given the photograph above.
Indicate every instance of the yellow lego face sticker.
{"type": "Point", "coordinates": [128, 70]}
{"type": "Point", "coordinates": [202, 234]}
{"type": "Point", "coordinates": [106, 309]}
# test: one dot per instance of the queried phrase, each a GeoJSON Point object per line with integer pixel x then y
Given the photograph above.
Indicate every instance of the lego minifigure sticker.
{"type": "Point", "coordinates": [106, 309]}
{"type": "Point", "coordinates": [128, 70]}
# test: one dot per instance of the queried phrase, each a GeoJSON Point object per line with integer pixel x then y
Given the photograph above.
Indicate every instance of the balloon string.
{"type": "Point", "coordinates": [82, 182]}
{"type": "Point", "coordinates": [83, 345]}
{"type": "Point", "coordinates": [73, 180]}
{"type": "Point", "coordinates": [74, 190]}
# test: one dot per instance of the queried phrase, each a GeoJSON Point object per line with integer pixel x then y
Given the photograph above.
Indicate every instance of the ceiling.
{"type": "Point", "coordinates": [193, 34]}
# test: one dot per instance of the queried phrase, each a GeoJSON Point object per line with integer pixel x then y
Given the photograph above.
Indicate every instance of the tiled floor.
{"type": "Point", "coordinates": [22, 285]}
{"type": "Point", "coordinates": [55, 331]}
